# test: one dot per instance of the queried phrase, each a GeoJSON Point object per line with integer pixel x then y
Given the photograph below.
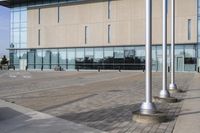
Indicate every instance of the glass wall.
{"type": "Point", "coordinates": [98, 58]}
{"type": "Point", "coordinates": [46, 59]}
{"type": "Point", "coordinates": [31, 58]}
{"type": "Point", "coordinates": [63, 58]}
{"type": "Point", "coordinates": [129, 57]}
{"type": "Point", "coordinates": [190, 58]}
{"type": "Point", "coordinates": [119, 58]}
{"type": "Point", "coordinates": [80, 58]}
{"type": "Point", "coordinates": [89, 58]}
{"type": "Point", "coordinates": [18, 27]}
{"type": "Point", "coordinates": [54, 58]}
{"type": "Point", "coordinates": [126, 58]}
{"type": "Point", "coordinates": [108, 58]}
{"type": "Point", "coordinates": [38, 59]}
{"type": "Point", "coordinates": [71, 59]}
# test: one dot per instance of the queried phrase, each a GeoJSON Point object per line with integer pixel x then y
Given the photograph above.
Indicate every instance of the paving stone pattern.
{"type": "Point", "coordinates": [101, 100]}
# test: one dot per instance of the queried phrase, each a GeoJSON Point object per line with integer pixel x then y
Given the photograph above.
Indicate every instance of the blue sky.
{"type": "Point", "coordinates": [4, 30]}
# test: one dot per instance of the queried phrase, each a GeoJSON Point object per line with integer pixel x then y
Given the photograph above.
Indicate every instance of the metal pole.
{"type": "Point", "coordinates": [164, 92]}
{"type": "Point", "coordinates": [172, 86]}
{"type": "Point", "coordinates": [148, 107]}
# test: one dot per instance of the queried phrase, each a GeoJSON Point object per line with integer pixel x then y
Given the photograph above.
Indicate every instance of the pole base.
{"type": "Point", "coordinates": [164, 94]}
{"type": "Point", "coordinates": [148, 108]}
{"type": "Point", "coordinates": [173, 88]}
{"type": "Point", "coordinates": [165, 100]}
{"type": "Point", "coordinates": [156, 117]}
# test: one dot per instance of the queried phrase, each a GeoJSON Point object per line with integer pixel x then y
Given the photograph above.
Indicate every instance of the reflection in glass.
{"type": "Point", "coordinates": [71, 58]}
{"type": "Point", "coordinates": [80, 58]}
{"type": "Point", "coordinates": [89, 58]}
{"type": "Point", "coordinates": [190, 58]}
{"type": "Point", "coordinates": [31, 59]}
{"type": "Point", "coordinates": [98, 58]}
{"type": "Point", "coordinates": [62, 58]}
{"type": "Point", "coordinates": [38, 59]}
{"type": "Point", "coordinates": [54, 58]}
{"type": "Point", "coordinates": [16, 55]}
{"type": "Point", "coordinates": [46, 59]}
{"type": "Point", "coordinates": [154, 59]}
{"type": "Point", "coordinates": [108, 58]}
{"type": "Point", "coordinates": [140, 55]}
{"type": "Point", "coordinates": [118, 58]}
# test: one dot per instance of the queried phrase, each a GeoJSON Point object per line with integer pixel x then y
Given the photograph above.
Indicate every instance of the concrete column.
{"type": "Point", "coordinates": [148, 106]}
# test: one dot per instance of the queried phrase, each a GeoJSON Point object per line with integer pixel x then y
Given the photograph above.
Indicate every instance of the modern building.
{"type": "Point", "coordinates": [98, 34]}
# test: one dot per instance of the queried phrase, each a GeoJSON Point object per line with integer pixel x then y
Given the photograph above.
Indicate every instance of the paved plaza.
{"type": "Point", "coordinates": [90, 100]}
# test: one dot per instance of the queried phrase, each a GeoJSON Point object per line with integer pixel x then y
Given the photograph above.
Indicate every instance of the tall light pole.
{"type": "Point", "coordinates": [172, 86]}
{"type": "Point", "coordinates": [164, 92]}
{"type": "Point", "coordinates": [148, 107]}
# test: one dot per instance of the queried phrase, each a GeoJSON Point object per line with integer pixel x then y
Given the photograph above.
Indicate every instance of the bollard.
{"type": "Point", "coordinates": [169, 69]}
{"type": "Point", "coordinates": [119, 69]}
{"type": "Point", "coordinates": [144, 68]}
{"type": "Point", "coordinates": [98, 69]}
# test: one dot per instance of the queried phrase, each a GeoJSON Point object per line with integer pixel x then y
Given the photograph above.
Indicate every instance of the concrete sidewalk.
{"type": "Point", "coordinates": [18, 119]}
{"type": "Point", "coordinates": [188, 120]}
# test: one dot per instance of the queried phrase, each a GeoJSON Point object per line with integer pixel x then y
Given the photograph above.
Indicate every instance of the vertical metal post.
{"type": "Point", "coordinates": [148, 106]}
{"type": "Point", "coordinates": [172, 86]}
{"type": "Point", "coordinates": [164, 92]}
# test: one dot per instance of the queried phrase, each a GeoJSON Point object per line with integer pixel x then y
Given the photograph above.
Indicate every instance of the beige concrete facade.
{"type": "Point", "coordinates": [127, 20]}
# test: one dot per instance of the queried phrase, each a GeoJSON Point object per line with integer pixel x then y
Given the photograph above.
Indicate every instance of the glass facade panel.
{"type": "Point", "coordinates": [31, 59]}
{"type": "Point", "coordinates": [54, 58]}
{"type": "Point", "coordinates": [63, 58]}
{"type": "Point", "coordinates": [23, 54]}
{"type": "Point", "coordinates": [18, 26]}
{"type": "Point", "coordinates": [129, 58]}
{"type": "Point", "coordinates": [108, 58]}
{"type": "Point", "coordinates": [98, 58]}
{"type": "Point", "coordinates": [89, 58]}
{"type": "Point", "coordinates": [23, 16]}
{"type": "Point", "coordinates": [80, 57]}
{"type": "Point", "coordinates": [179, 57]}
{"type": "Point", "coordinates": [140, 55]}
{"type": "Point", "coordinates": [46, 59]}
{"type": "Point", "coordinates": [38, 59]}
{"type": "Point", "coordinates": [159, 57]}
{"type": "Point", "coordinates": [16, 55]}
{"type": "Point", "coordinates": [190, 58]}
{"type": "Point", "coordinates": [154, 58]}
{"type": "Point", "coordinates": [70, 59]}
{"type": "Point", "coordinates": [119, 58]}
{"type": "Point", "coordinates": [16, 16]}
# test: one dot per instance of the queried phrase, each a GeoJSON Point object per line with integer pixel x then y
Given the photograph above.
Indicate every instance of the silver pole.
{"type": "Point", "coordinates": [164, 92]}
{"type": "Point", "coordinates": [148, 107]}
{"type": "Point", "coordinates": [172, 86]}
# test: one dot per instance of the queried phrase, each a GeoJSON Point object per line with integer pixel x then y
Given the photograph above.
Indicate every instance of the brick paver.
{"type": "Point", "coordinates": [103, 101]}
